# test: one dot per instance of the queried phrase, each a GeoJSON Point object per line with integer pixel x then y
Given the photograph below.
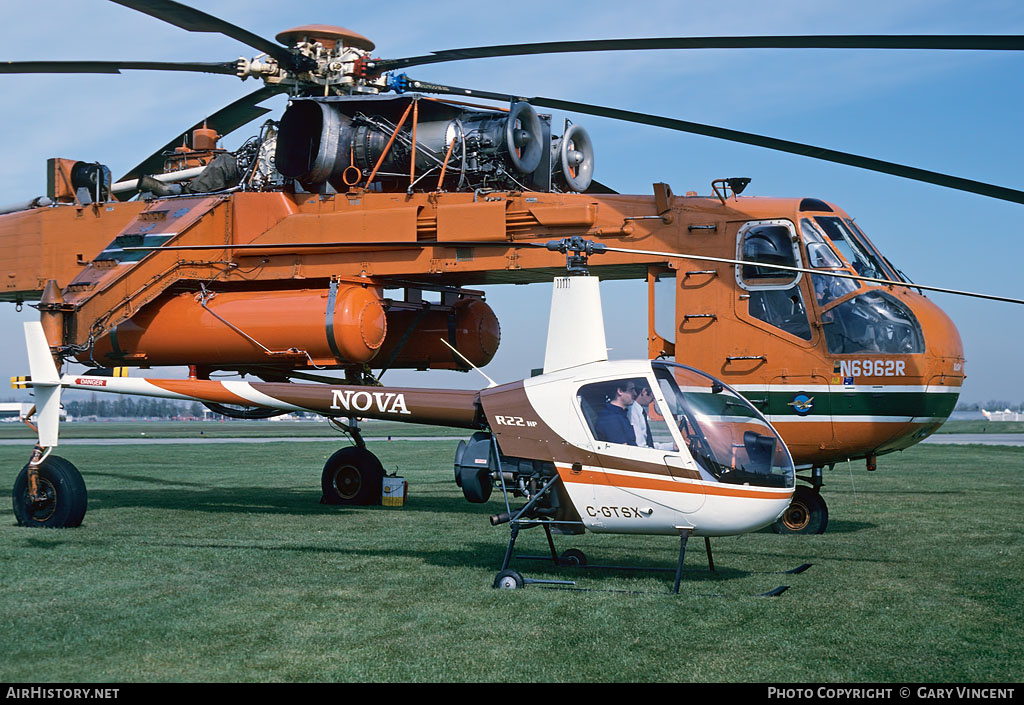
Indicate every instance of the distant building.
{"type": "Point", "coordinates": [19, 411]}
{"type": "Point", "coordinates": [1004, 415]}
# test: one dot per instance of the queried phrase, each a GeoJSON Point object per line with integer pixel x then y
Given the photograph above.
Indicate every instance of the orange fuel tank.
{"type": "Point", "coordinates": [470, 326]}
{"type": "Point", "coordinates": [245, 328]}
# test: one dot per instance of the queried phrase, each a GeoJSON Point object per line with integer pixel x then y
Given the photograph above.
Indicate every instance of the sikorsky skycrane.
{"type": "Point", "coordinates": [348, 235]}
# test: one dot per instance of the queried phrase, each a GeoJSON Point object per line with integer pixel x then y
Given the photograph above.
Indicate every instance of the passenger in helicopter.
{"type": "Point", "coordinates": [638, 417]}
{"type": "Point", "coordinates": [613, 420]}
{"type": "Point", "coordinates": [640, 420]}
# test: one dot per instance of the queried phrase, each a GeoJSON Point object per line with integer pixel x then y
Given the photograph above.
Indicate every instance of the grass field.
{"type": "Point", "coordinates": [217, 563]}
{"type": "Point", "coordinates": [982, 426]}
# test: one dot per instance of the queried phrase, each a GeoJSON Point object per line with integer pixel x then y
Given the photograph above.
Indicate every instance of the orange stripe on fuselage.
{"type": "Point", "coordinates": [204, 389]}
{"type": "Point", "coordinates": [597, 477]}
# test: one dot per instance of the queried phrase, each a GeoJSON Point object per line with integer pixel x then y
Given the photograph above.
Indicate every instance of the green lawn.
{"type": "Point", "coordinates": [217, 563]}
{"type": "Point", "coordinates": [982, 426]}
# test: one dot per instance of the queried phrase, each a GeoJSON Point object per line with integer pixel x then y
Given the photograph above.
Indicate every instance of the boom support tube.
{"type": "Point", "coordinates": [441, 407]}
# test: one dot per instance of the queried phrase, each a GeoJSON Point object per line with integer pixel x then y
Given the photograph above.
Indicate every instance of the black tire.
{"type": "Point", "coordinates": [352, 476]}
{"type": "Point", "coordinates": [572, 558]}
{"type": "Point", "coordinates": [508, 580]}
{"type": "Point", "coordinates": [460, 450]}
{"type": "Point", "coordinates": [65, 498]}
{"type": "Point", "coordinates": [806, 514]}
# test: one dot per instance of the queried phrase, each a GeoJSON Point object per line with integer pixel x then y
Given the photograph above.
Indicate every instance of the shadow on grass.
{"type": "Point", "coordinates": [479, 556]}
{"type": "Point", "coordinates": [835, 526]}
{"type": "Point", "coordinates": [249, 500]}
{"type": "Point", "coordinates": [145, 479]}
{"type": "Point", "coordinates": [849, 527]}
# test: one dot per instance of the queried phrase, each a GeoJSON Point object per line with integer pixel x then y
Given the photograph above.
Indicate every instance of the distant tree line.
{"type": "Point", "coordinates": [133, 407]}
{"type": "Point", "coordinates": [990, 405]}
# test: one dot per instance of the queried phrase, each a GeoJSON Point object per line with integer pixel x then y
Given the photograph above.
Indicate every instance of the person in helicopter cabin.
{"type": "Point", "coordinates": [613, 420]}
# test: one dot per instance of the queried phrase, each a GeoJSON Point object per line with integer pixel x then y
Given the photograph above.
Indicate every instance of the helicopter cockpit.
{"type": "Point", "coordinates": [729, 440]}
{"type": "Point", "coordinates": [725, 434]}
{"type": "Point", "coordinates": [872, 321]}
{"type": "Point", "coordinates": [856, 316]}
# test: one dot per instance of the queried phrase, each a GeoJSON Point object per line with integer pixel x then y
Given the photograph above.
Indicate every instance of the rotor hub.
{"type": "Point", "coordinates": [327, 35]}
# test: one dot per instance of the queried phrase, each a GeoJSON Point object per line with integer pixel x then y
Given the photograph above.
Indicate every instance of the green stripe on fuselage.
{"type": "Point", "coordinates": [840, 403]}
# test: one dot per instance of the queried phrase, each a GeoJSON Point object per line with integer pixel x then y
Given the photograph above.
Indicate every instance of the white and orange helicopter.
{"type": "Point", "coordinates": [707, 463]}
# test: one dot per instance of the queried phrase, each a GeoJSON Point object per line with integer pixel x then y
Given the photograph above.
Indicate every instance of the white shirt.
{"type": "Point", "coordinates": [639, 423]}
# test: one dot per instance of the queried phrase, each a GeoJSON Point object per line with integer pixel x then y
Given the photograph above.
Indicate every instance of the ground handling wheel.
{"type": "Point", "coordinates": [508, 580]}
{"type": "Point", "coordinates": [572, 558]}
{"type": "Point", "coordinates": [354, 476]}
{"type": "Point", "coordinates": [806, 514]}
{"type": "Point", "coordinates": [61, 500]}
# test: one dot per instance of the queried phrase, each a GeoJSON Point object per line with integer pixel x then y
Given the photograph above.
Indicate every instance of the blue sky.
{"type": "Point", "coordinates": [954, 112]}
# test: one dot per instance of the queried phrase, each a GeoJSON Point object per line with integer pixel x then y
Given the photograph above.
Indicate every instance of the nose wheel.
{"type": "Point", "coordinates": [806, 514]}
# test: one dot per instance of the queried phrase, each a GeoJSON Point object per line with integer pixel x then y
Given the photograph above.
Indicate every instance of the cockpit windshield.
{"type": "Point", "coordinates": [858, 253]}
{"type": "Point", "coordinates": [893, 273]}
{"type": "Point", "coordinates": [874, 322]}
{"type": "Point", "coordinates": [820, 255]}
{"type": "Point", "coordinates": [727, 436]}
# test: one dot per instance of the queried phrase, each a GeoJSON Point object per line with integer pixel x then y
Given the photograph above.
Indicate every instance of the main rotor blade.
{"type": "Point", "coordinates": [193, 20]}
{"type": "Point", "coordinates": [227, 67]}
{"type": "Point", "coordinates": [971, 42]}
{"type": "Point", "coordinates": [822, 272]}
{"type": "Point", "coordinates": [805, 150]}
{"type": "Point", "coordinates": [224, 121]}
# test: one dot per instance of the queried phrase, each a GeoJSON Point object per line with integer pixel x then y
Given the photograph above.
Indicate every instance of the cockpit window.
{"type": "Point", "coordinates": [872, 322]}
{"type": "Point", "coordinates": [624, 411]}
{"type": "Point", "coordinates": [891, 271]}
{"type": "Point", "coordinates": [782, 308]}
{"type": "Point", "coordinates": [827, 289]}
{"type": "Point", "coordinates": [862, 258]}
{"type": "Point", "coordinates": [726, 436]}
{"type": "Point", "coordinates": [819, 253]}
{"type": "Point", "coordinates": [771, 243]}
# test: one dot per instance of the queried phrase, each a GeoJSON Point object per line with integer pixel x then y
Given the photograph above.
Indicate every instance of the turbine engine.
{"type": "Point", "coordinates": [421, 144]}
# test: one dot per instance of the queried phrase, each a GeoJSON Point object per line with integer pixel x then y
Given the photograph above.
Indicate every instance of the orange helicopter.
{"type": "Point", "coordinates": [346, 236]}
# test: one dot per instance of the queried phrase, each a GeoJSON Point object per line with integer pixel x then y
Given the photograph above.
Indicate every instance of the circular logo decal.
{"type": "Point", "coordinates": [802, 404]}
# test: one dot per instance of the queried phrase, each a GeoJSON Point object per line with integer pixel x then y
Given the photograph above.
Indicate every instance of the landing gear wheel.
{"type": "Point", "coordinates": [508, 580]}
{"type": "Point", "coordinates": [354, 476]}
{"type": "Point", "coordinates": [572, 558]}
{"type": "Point", "coordinates": [63, 497]}
{"type": "Point", "coordinates": [806, 514]}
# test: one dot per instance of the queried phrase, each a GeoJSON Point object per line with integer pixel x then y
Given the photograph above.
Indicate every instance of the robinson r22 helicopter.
{"type": "Point", "coordinates": [711, 465]}
{"type": "Point", "coordinates": [284, 256]}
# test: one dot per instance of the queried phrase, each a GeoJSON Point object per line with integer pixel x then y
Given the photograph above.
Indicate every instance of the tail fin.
{"type": "Point", "coordinates": [45, 382]}
{"type": "Point", "coordinates": [576, 327]}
